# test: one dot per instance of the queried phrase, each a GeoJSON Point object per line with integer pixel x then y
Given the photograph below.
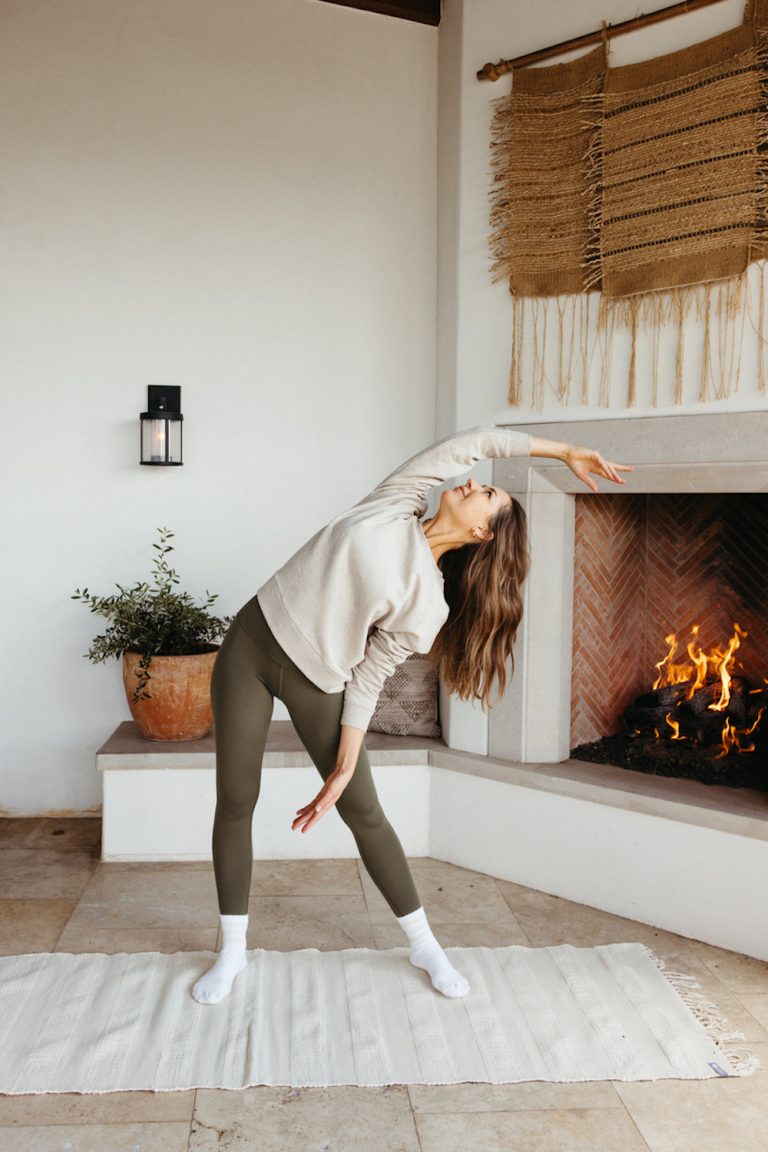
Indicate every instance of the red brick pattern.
{"type": "Point", "coordinates": [646, 566]}
{"type": "Point", "coordinates": [744, 578]}
{"type": "Point", "coordinates": [608, 610]}
{"type": "Point", "coordinates": [683, 563]}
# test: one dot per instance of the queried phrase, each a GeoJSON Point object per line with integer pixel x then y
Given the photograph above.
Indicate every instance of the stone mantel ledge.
{"type": "Point", "coordinates": [740, 811]}
{"type": "Point", "coordinates": [703, 452]}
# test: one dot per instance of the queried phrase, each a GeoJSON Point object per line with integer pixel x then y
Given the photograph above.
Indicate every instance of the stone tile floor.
{"type": "Point", "coordinates": [58, 896]}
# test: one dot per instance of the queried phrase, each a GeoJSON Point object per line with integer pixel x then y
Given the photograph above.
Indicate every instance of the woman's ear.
{"type": "Point", "coordinates": [482, 535]}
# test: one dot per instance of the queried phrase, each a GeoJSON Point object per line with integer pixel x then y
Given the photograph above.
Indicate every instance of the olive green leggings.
{"type": "Point", "coordinates": [250, 670]}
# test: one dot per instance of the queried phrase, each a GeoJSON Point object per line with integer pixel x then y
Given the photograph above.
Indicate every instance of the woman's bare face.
{"type": "Point", "coordinates": [471, 505]}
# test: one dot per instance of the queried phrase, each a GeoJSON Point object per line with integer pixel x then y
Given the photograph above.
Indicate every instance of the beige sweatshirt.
{"type": "Point", "coordinates": [365, 592]}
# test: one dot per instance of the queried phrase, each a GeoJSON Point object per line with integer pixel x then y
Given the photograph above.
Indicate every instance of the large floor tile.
{"type": "Point", "coordinates": [571, 1130]}
{"type": "Point", "coordinates": [96, 1108]}
{"type": "Point", "coordinates": [329, 923]}
{"type": "Point", "coordinates": [305, 878]}
{"type": "Point", "coordinates": [304, 1120]}
{"type": "Point", "coordinates": [449, 894]}
{"type": "Point", "coordinates": [78, 834]}
{"type": "Point", "coordinates": [702, 1115]}
{"type": "Point", "coordinates": [110, 941]}
{"type": "Point", "coordinates": [741, 973]}
{"type": "Point", "coordinates": [756, 1003]}
{"type": "Point", "coordinates": [441, 1098]}
{"type": "Point", "coordinates": [522, 899]}
{"type": "Point", "coordinates": [161, 1137]}
{"type": "Point", "coordinates": [32, 925]}
{"type": "Point", "coordinates": [149, 896]}
{"type": "Point", "coordinates": [40, 874]}
{"type": "Point", "coordinates": [547, 920]}
{"type": "Point", "coordinates": [16, 831]}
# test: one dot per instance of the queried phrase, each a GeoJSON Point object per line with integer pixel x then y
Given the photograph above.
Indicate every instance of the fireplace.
{"type": "Point", "coordinates": [670, 635]}
{"type": "Point", "coordinates": [684, 543]}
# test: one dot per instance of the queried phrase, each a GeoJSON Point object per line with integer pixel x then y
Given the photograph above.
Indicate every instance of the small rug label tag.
{"type": "Point", "coordinates": [720, 1071]}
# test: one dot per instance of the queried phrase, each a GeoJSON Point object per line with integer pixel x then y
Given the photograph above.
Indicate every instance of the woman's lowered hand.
{"type": "Point", "coordinates": [326, 798]}
{"type": "Point", "coordinates": [350, 743]}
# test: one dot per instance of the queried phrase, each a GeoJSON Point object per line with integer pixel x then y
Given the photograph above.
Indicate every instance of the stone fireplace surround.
{"type": "Point", "coordinates": [685, 857]}
{"type": "Point", "coordinates": [689, 454]}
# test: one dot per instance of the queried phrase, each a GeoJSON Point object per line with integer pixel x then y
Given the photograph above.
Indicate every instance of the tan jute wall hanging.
{"type": "Point", "coordinates": [631, 200]}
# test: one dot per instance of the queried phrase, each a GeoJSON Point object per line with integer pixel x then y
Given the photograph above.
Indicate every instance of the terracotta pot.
{"type": "Point", "coordinates": [179, 707]}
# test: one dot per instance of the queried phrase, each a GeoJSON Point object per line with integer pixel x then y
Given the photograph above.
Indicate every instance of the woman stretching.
{"type": "Point", "coordinates": [376, 585]}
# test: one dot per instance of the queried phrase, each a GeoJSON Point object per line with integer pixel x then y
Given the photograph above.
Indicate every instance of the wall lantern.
{"type": "Point", "coordinates": [161, 425]}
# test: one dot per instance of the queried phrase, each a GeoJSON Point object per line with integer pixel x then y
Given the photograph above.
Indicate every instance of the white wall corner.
{"type": "Point", "coordinates": [464, 724]}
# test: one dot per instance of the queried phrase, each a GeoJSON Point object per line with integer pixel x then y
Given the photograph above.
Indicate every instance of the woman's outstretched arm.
{"type": "Point", "coordinates": [581, 461]}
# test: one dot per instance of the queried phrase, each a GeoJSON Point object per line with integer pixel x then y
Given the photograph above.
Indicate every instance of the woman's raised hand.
{"type": "Point", "coordinates": [583, 461]}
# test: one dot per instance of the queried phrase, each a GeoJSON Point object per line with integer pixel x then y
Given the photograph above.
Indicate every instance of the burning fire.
{"type": "Point", "coordinates": [733, 736]}
{"type": "Point", "coordinates": [706, 670]}
{"type": "Point", "coordinates": [700, 667]}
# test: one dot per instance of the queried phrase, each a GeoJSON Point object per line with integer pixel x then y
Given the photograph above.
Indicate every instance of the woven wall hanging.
{"type": "Point", "coordinates": [631, 200]}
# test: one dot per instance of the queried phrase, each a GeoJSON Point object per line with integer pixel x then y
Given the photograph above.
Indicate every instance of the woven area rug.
{"type": "Point", "coordinates": [98, 1023]}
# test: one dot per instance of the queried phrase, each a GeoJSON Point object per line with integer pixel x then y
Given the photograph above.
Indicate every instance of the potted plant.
{"type": "Point", "coordinates": [165, 639]}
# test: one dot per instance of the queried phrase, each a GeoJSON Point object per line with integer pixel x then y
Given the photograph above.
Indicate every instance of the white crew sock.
{"type": "Point", "coordinates": [217, 981]}
{"type": "Point", "coordinates": [426, 953]}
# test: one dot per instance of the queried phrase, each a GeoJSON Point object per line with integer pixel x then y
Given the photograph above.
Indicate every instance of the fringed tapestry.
{"type": "Point", "coordinates": [540, 216]}
{"type": "Point", "coordinates": [632, 200]}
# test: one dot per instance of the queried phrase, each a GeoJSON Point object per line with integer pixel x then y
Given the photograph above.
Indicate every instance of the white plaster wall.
{"type": "Point", "coordinates": [238, 197]}
{"type": "Point", "coordinates": [474, 340]}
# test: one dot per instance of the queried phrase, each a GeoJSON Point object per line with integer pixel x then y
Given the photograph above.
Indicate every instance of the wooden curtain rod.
{"type": "Point", "coordinates": [494, 71]}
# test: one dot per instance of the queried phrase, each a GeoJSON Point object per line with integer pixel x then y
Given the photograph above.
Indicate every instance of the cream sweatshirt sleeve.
{"type": "Point", "coordinates": [450, 457]}
{"type": "Point", "coordinates": [408, 485]}
{"type": "Point", "coordinates": [384, 652]}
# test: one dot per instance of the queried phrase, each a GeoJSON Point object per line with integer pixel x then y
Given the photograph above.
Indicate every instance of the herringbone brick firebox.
{"type": "Point", "coordinates": [648, 565]}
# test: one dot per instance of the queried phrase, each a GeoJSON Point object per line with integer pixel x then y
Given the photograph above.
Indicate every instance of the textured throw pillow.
{"type": "Point", "coordinates": [408, 701]}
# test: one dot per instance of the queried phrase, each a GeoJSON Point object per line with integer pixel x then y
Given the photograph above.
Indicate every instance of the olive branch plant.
{"type": "Point", "coordinates": [153, 618]}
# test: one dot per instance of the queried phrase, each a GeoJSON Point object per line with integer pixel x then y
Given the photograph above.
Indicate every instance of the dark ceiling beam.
{"type": "Point", "coordinates": [420, 11]}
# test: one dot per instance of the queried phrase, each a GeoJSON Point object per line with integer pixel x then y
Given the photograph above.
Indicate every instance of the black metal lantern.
{"type": "Point", "coordinates": [161, 425]}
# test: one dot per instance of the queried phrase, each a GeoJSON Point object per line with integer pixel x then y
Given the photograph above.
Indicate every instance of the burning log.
{"type": "Point", "coordinates": [698, 721]}
{"type": "Point", "coordinates": [672, 713]}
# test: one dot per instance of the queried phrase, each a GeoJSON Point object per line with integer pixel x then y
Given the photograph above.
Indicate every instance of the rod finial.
{"type": "Point", "coordinates": [489, 72]}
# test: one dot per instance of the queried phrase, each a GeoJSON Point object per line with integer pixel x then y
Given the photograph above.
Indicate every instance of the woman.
{"type": "Point", "coordinates": [374, 586]}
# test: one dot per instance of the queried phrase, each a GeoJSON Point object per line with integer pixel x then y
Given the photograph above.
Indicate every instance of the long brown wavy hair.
{"type": "Point", "coordinates": [483, 589]}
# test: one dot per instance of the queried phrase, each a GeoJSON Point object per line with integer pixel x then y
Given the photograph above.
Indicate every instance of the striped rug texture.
{"type": "Point", "coordinates": [99, 1023]}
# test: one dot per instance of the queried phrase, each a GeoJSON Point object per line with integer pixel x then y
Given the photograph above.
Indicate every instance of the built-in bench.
{"type": "Point", "coordinates": [687, 857]}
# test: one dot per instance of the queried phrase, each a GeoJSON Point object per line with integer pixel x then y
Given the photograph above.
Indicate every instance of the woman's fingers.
{"type": "Point", "coordinates": [304, 823]}
{"type": "Point", "coordinates": [309, 815]}
{"type": "Point", "coordinates": [584, 461]}
{"type": "Point", "coordinates": [611, 471]}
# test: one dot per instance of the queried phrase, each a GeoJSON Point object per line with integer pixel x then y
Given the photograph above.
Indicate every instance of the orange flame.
{"type": "Point", "coordinates": [700, 666]}
{"type": "Point", "coordinates": [674, 725]}
{"type": "Point", "coordinates": [703, 668]}
{"type": "Point", "coordinates": [733, 737]}
{"type": "Point", "coordinates": [694, 671]}
{"type": "Point", "coordinates": [724, 671]}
